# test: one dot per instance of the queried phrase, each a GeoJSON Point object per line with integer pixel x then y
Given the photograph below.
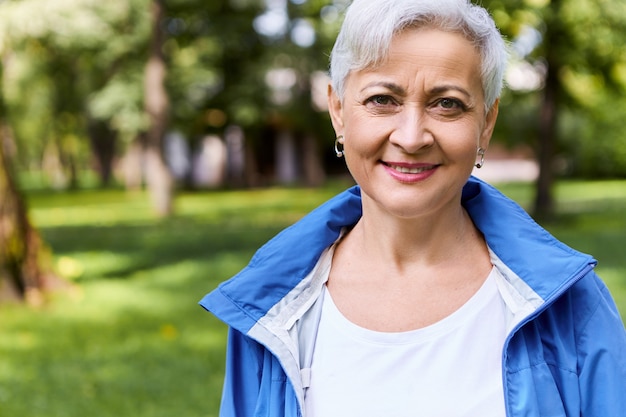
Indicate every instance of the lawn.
{"type": "Point", "coordinates": [129, 338]}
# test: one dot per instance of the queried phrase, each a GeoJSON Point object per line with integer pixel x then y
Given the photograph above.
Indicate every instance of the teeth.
{"type": "Point", "coordinates": [406, 170]}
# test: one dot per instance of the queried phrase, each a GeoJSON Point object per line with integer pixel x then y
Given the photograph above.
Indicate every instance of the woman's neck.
{"type": "Point", "coordinates": [430, 240]}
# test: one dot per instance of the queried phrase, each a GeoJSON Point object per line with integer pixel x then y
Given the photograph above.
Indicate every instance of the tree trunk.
{"type": "Point", "coordinates": [102, 140]}
{"type": "Point", "coordinates": [548, 118]}
{"type": "Point", "coordinates": [22, 274]}
{"type": "Point", "coordinates": [544, 199]}
{"type": "Point", "coordinates": [133, 164]}
{"type": "Point", "coordinates": [158, 176]}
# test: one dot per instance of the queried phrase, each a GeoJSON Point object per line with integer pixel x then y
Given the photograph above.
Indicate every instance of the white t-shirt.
{"type": "Point", "coordinates": [452, 368]}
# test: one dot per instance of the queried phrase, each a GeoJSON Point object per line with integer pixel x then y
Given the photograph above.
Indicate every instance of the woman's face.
{"type": "Point", "coordinates": [411, 127]}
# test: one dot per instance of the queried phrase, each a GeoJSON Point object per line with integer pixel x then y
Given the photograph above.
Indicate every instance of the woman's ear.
{"type": "Point", "coordinates": [490, 124]}
{"type": "Point", "coordinates": [335, 109]}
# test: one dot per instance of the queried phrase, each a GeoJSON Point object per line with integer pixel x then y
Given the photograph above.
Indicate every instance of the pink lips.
{"type": "Point", "coordinates": [409, 172]}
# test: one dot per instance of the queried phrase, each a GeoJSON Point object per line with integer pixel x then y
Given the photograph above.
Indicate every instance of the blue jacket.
{"type": "Point", "coordinates": [565, 354]}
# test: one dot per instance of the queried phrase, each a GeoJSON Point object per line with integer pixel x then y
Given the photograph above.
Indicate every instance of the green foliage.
{"type": "Point", "coordinates": [214, 56]}
{"type": "Point", "coordinates": [581, 40]}
{"type": "Point", "coordinates": [67, 62]}
{"type": "Point", "coordinates": [517, 119]}
{"type": "Point", "coordinates": [120, 101]}
{"type": "Point", "coordinates": [130, 339]}
{"type": "Point", "coordinates": [597, 147]}
{"type": "Point", "coordinates": [86, 59]}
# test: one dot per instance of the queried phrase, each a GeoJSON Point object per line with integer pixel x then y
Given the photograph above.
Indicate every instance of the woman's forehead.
{"type": "Point", "coordinates": [435, 53]}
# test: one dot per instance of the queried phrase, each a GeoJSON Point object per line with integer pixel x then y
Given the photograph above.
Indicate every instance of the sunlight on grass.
{"type": "Point", "coordinates": [93, 207]}
{"type": "Point", "coordinates": [77, 266]}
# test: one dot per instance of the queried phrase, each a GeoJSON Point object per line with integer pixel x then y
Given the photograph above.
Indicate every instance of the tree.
{"type": "Point", "coordinates": [577, 39]}
{"type": "Point", "coordinates": [68, 63]}
{"type": "Point", "coordinates": [157, 107]}
{"type": "Point", "coordinates": [23, 270]}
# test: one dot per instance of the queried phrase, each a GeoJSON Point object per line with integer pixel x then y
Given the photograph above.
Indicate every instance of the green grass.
{"type": "Point", "coordinates": [129, 338]}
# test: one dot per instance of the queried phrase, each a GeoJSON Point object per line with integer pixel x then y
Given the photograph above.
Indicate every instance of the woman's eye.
{"type": "Point", "coordinates": [450, 103]}
{"type": "Point", "coordinates": [380, 100]}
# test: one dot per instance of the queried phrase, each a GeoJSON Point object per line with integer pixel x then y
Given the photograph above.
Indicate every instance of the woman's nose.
{"type": "Point", "coordinates": [410, 132]}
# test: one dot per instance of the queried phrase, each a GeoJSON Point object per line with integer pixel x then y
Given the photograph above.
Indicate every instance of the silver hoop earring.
{"type": "Point", "coordinates": [481, 153]}
{"type": "Point", "coordinates": [338, 151]}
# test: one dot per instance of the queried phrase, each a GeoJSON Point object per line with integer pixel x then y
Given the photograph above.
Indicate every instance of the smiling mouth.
{"type": "Point", "coordinates": [410, 169]}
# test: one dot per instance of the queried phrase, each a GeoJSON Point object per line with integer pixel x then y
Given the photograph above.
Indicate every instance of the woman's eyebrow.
{"type": "Point", "coordinates": [394, 88]}
{"type": "Point", "coordinates": [447, 87]}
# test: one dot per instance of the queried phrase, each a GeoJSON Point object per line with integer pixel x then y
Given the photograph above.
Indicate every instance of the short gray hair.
{"type": "Point", "coordinates": [370, 25]}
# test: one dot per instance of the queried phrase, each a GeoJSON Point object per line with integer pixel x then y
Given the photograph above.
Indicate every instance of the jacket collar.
{"type": "Point", "coordinates": [279, 265]}
{"type": "Point", "coordinates": [544, 263]}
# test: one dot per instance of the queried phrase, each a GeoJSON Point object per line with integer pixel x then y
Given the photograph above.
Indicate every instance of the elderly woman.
{"type": "Point", "coordinates": [422, 291]}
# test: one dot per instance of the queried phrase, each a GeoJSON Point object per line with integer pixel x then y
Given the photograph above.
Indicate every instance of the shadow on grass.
{"type": "Point", "coordinates": [128, 249]}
